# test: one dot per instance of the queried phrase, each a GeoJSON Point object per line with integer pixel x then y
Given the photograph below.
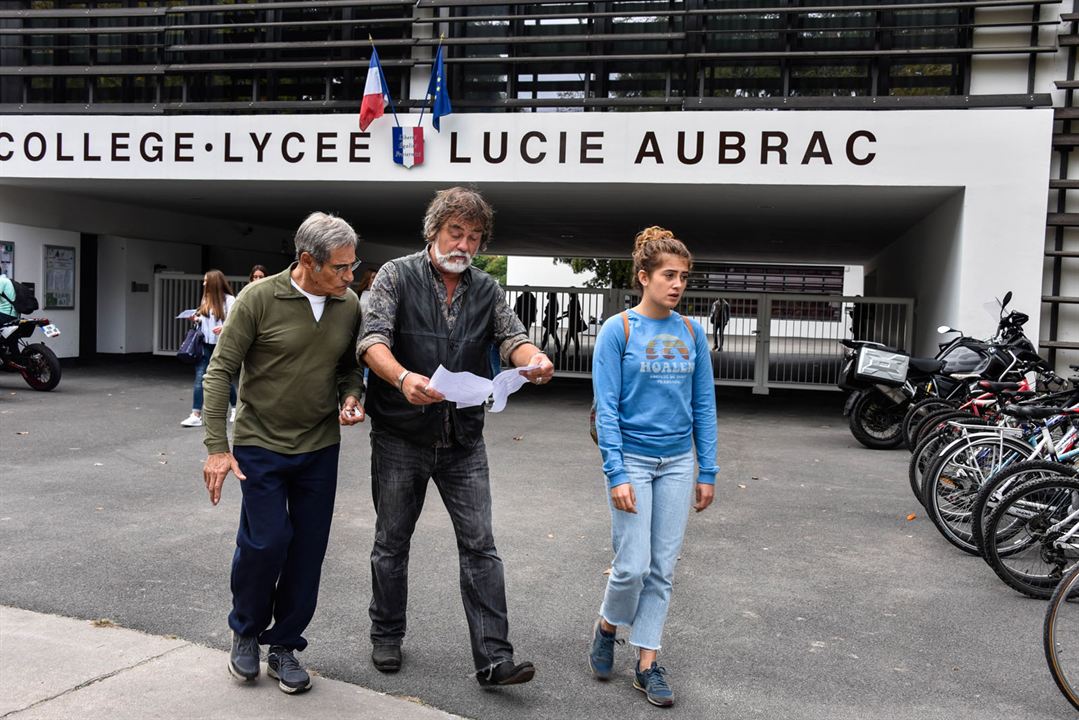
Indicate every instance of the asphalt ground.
{"type": "Point", "coordinates": [803, 593]}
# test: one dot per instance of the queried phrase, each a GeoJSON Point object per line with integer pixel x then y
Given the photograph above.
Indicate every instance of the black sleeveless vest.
{"type": "Point", "coordinates": [422, 341]}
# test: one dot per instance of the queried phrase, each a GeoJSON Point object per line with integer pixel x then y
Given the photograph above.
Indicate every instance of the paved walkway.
{"type": "Point", "coordinates": [804, 594]}
{"type": "Point", "coordinates": [57, 667]}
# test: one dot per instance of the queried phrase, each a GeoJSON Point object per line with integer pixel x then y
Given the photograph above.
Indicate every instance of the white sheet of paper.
{"type": "Point", "coordinates": [463, 388]}
{"type": "Point", "coordinates": [469, 390]}
{"type": "Point", "coordinates": [506, 383]}
{"type": "Point", "coordinates": [186, 314]}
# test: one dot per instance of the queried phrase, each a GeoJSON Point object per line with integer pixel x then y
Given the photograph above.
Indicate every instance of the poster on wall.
{"type": "Point", "coordinates": [7, 259]}
{"type": "Point", "coordinates": [59, 277]}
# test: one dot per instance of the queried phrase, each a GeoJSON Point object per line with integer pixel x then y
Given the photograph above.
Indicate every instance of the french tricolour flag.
{"type": "Point", "coordinates": [408, 146]}
{"type": "Point", "coordinates": [374, 93]}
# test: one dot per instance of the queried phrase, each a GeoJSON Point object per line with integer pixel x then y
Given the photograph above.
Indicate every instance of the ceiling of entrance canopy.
{"type": "Point", "coordinates": [779, 223]}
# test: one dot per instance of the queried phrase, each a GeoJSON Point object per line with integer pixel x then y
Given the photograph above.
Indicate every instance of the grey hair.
{"type": "Point", "coordinates": [320, 234]}
{"type": "Point", "coordinates": [458, 201]}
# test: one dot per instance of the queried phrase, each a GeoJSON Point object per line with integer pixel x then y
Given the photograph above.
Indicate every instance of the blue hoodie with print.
{"type": "Point", "coordinates": [656, 396]}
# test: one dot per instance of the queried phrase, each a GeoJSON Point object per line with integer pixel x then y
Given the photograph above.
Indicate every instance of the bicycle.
{"type": "Point", "coordinates": [954, 480]}
{"type": "Point", "coordinates": [1060, 636]}
{"type": "Point", "coordinates": [1042, 539]}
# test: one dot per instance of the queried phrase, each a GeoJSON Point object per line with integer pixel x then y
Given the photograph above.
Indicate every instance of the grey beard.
{"type": "Point", "coordinates": [452, 264]}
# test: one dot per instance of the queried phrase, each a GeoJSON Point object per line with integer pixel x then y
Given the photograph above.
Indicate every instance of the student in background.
{"type": "Point", "coordinates": [217, 300]}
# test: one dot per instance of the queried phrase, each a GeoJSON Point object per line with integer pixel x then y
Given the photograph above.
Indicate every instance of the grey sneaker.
{"type": "Point", "coordinates": [283, 666]}
{"type": "Point", "coordinates": [653, 683]}
{"type": "Point", "coordinates": [244, 658]}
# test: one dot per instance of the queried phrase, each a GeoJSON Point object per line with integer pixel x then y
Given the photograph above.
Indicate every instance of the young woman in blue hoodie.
{"type": "Point", "coordinates": [656, 426]}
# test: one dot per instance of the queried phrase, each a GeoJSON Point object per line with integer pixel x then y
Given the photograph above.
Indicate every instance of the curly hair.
{"type": "Point", "coordinates": [650, 245]}
{"type": "Point", "coordinates": [458, 201]}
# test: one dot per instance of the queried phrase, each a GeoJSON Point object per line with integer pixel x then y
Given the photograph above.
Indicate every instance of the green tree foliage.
{"type": "Point", "coordinates": [608, 273]}
{"type": "Point", "coordinates": [494, 265]}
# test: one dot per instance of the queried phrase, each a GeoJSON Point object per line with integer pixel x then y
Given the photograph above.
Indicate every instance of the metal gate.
{"type": "Point", "coordinates": [758, 340]}
{"type": "Point", "coordinates": [174, 293]}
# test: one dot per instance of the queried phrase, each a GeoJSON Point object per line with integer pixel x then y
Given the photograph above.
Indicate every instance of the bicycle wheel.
{"type": "Point", "coordinates": [929, 425]}
{"type": "Point", "coordinates": [953, 481]}
{"type": "Point", "coordinates": [940, 420]}
{"type": "Point", "coordinates": [917, 413]}
{"type": "Point", "coordinates": [1035, 556]}
{"type": "Point", "coordinates": [928, 449]}
{"type": "Point", "coordinates": [992, 491]}
{"type": "Point", "coordinates": [1060, 636]}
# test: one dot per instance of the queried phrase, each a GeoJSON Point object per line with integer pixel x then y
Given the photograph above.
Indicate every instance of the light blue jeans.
{"type": "Point", "coordinates": [646, 545]}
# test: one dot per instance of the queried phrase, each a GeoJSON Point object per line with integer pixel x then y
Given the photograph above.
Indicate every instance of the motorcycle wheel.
{"type": "Point", "coordinates": [42, 367]}
{"type": "Point", "coordinates": [876, 421]}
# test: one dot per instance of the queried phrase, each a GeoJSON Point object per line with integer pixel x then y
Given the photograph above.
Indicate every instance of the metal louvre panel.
{"type": "Point", "coordinates": [242, 53]}
{"type": "Point", "coordinates": [174, 293]}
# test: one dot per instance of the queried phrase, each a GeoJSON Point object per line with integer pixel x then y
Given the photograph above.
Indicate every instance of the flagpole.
{"type": "Point", "coordinates": [424, 106]}
{"type": "Point", "coordinates": [385, 85]}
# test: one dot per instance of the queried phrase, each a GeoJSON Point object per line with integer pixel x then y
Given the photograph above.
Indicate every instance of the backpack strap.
{"type": "Point", "coordinates": [625, 325]}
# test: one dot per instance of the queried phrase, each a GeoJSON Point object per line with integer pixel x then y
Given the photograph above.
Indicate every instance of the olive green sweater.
{"type": "Point", "coordinates": [294, 371]}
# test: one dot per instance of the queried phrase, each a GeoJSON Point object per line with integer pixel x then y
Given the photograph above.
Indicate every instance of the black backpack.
{"type": "Point", "coordinates": [24, 300]}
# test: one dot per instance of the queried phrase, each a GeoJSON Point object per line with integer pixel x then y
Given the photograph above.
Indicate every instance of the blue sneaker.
{"type": "Point", "coordinates": [654, 685]}
{"type": "Point", "coordinates": [601, 657]}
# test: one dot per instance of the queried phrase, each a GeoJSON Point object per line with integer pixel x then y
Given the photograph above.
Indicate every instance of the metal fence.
{"type": "Point", "coordinates": [174, 293]}
{"type": "Point", "coordinates": [758, 340]}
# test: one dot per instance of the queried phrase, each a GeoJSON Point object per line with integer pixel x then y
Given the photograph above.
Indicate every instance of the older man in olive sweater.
{"type": "Point", "coordinates": [292, 337]}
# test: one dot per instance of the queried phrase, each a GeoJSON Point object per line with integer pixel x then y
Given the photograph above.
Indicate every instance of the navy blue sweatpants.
{"type": "Point", "coordinates": [284, 527]}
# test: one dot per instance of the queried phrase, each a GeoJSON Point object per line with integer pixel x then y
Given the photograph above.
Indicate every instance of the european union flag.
{"type": "Point", "coordinates": [437, 88]}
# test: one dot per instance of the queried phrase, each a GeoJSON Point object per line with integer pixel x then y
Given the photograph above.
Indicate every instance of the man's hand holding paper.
{"type": "Point", "coordinates": [469, 390]}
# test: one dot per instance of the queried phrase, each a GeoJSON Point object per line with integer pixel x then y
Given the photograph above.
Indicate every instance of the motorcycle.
{"type": "Point", "coordinates": [37, 364]}
{"type": "Point", "coordinates": [878, 402]}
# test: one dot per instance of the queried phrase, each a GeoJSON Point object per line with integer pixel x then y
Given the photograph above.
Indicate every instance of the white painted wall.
{"type": "Point", "coordinates": [111, 296]}
{"type": "Point", "coordinates": [30, 245]}
{"type": "Point", "coordinates": [542, 271]}
{"type": "Point", "coordinates": [853, 280]}
{"type": "Point", "coordinates": [125, 318]}
{"type": "Point", "coordinates": [926, 263]}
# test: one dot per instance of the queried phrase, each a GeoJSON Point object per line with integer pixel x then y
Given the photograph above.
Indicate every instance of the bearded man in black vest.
{"type": "Point", "coordinates": [428, 309]}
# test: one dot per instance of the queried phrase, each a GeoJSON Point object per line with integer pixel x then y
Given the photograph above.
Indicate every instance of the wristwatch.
{"type": "Point", "coordinates": [401, 379]}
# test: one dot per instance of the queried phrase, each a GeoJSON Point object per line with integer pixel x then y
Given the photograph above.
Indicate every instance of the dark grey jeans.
{"type": "Point", "coordinates": [400, 472]}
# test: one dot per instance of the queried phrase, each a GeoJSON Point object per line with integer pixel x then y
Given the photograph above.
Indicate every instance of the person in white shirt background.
{"type": "Point", "coordinates": [213, 310]}
{"type": "Point", "coordinates": [7, 299]}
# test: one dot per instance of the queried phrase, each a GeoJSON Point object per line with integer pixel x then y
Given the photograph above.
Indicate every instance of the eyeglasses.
{"type": "Point", "coordinates": [340, 269]}
{"type": "Point", "coordinates": [337, 269]}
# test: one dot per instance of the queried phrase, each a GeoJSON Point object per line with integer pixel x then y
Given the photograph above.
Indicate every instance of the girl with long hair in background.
{"type": "Point", "coordinates": [213, 310]}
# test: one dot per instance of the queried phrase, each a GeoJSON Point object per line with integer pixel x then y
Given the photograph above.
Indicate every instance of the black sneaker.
{"type": "Point", "coordinates": [386, 658]}
{"type": "Point", "coordinates": [244, 658]}
{"type": "Point", "coordinates": [506, 673]}
{"type": "Point", "coordinates": [283, 666]}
